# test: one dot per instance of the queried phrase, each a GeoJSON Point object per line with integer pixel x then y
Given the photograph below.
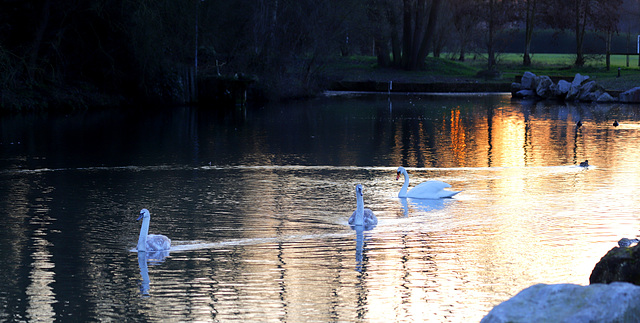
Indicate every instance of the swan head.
{"type": "Point", "coordinates": [144, 213]}
{"type": "Point", "coordinates": [400, 171]}
{"type": "Point", "coordinates": [359, 190]}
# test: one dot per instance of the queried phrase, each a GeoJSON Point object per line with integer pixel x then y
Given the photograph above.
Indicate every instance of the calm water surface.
{"type": "Point", "coordinates": [256, 203]}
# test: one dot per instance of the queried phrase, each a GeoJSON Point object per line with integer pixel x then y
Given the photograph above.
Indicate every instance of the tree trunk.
{"type": "Point", "coordinates": [491, 60]}
{"type": "Point", "coordinates": [37, 42]}
{"type": "Point", "coordinates": [382, 53]}
{"type": "Point", "coordinates": [581, 24]}
{"type": "Point", "coordinates": [418, 35]}
{"type": "Point", "coordinates": [396, 42]}
{"type": "Point", "coordinates": [530, 13]}
{"type": "Point", "coordinates": [431, 26]}
{"type": "Point", "coordinates": [628, 44]}
{"type": "Point", "coordinates": [407, 33]}
{"type": "Point", "coordinates": [608, 48]}
{"type": "Point", "coordinates": [396, 49]}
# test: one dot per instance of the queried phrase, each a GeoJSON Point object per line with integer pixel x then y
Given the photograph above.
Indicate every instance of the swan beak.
{"type": "Point", "coordinates": [398, 176]}
{"type": "Point", "coordinates": [140, 217]}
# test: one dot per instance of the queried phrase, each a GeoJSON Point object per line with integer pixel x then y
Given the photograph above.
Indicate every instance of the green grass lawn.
{"type": "Point", "coordinates": [562, 65]}
{"type": "Point", "coordinates": [596, 61]}
{"type": "Point", "coordinates": [359, 68]}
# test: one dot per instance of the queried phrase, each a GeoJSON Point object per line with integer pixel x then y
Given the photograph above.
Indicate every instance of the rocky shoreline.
{"type": "Point", "coordinates": [581, 89]}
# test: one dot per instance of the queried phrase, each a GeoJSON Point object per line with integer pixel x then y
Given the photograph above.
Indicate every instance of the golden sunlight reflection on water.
{"type": "Point", "coordinates": [511, 227]}
{"type": "Point", "coordinates": [263, 235]}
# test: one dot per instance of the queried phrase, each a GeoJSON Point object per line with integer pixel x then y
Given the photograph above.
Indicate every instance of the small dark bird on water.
{"type": "Point", "coordinates": [626, 242]}
{"type": "Point", "coordinates": [615, 123]}
{"type": "Point", "coordinates": [584, 163]}
{"type": "Point", "coordinates": [579, 124]}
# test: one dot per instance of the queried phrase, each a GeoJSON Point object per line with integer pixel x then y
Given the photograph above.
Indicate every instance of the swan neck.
{"type": "Point", "coordinates": [144, 231]}
{"type": "Point", "coordinates": [405, 186]}
{"type": "Point", "coordinates": [359, 210]}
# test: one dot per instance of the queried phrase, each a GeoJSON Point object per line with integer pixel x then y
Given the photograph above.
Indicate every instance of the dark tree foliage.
{"type": "Point", "coordinates": [465, 20]}
{"type": "Point", "coordinates": [495, 15]}
{"type": "Point", "coordinates": [143, 48]}
{"type": "Point", "coordinates": [119, 47]}
{"type": "Point", "coordinates": [528, 13]}
{"type": "Point", "coordinates": [580, 16]}
{"type": "Point", "coordinates": [65, 51]}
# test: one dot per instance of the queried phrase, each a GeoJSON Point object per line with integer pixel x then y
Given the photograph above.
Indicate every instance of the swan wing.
{"type": "Point", "coordinates": [431, 190]}
{"type": "Point", "coordinates": [158, 242]}
{"type": "Point", "coordinates": [352, 218]}
{"type": "Point", "coordinates": [369, 218]}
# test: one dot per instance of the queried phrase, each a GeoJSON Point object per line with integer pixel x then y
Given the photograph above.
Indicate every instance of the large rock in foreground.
{"type": "Point", "coordinates": [616, 302]}
{"type": "Point", "coordinates": [621, 264]}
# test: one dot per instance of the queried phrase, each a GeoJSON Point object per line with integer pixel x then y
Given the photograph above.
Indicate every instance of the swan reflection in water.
{"type": "Point", "coordinates": [422, 205]}
{"type": "Point", "coordinates": [144, 259]}
{"type": "Point", "coordinates": [359, 246]}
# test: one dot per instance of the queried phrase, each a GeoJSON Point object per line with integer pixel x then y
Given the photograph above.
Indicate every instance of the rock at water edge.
{"type": "Point", "coordinates": [527, 81]}
{"type": "Point", "coordinates": [616, 302]}
{"type": "Point", "coordinates": [630, 96]}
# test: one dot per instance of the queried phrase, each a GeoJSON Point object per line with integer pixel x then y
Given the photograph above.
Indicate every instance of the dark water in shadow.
{"type": "Point", "coordinates": [256, 203]}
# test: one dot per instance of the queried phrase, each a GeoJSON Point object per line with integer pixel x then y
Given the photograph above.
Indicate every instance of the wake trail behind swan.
{"type": "Point", "coordinates": [181, 246]}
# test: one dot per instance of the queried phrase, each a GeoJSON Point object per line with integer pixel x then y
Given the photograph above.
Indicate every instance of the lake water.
{"type": "Point", "coordinates": [256, 203]}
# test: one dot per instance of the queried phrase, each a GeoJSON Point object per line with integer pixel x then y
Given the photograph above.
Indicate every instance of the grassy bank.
{"type": "Point", "coordinates": [364, 68]}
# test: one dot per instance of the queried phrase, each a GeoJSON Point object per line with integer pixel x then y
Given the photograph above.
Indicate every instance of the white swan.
{"type": "Point", "coordinates": [426, 190]}
{"type": "Point", "coordinates": [150, 242]}
{"type": "Point", "coordinates": [361, 216]}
